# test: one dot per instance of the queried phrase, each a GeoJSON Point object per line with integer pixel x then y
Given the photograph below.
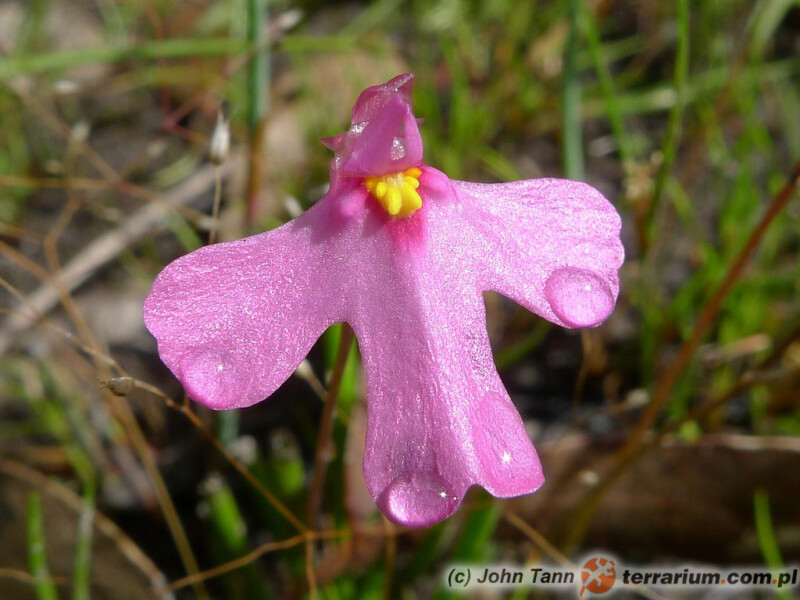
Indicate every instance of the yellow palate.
{"type": "Point", "coordinates": [397, 192]}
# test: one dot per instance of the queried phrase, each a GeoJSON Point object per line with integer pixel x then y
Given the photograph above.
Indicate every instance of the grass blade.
{"type": "Point", "coordinates": [83, 548]}
{"type": "Point", "coordinates": [31, 64]}
{"type": "Point", "coordinates": [258, 69]}
{"type": "Point", "coordinates": [613, 110]}
{"type": "Point", "coordinates": [670, 146]}
{"type": "Point", "coordinates": [766, 537]}
{"type": "Point", "coordinates": [572, 148]}
{"type": "Point", "coordinates": [37, 551]}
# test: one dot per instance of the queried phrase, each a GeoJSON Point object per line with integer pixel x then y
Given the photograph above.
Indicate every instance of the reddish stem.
{"type": "Point", "coordinates": [630, 450]}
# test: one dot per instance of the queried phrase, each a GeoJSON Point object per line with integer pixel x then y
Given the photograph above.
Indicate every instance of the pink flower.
{"type": "Point", "coordinates": [402, 254]}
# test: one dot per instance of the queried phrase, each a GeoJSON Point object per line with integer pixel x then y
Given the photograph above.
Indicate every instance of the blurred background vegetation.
{"type": "Point", "coordinates": [669, 434]}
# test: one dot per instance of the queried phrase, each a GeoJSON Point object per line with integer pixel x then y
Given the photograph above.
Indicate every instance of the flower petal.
{"type": "Point", "coordinates": [384, 135]}
{"type": "Point", "coordinates": [234, 320]}
{"type": "Point", "coordinates": [372, 99]}
{"type": "Point", "coordinates": [439, 418]}
{"type": "Point", "coordinates": [551, 245]}
{"type": "Point", "coordinates": [389, 142]}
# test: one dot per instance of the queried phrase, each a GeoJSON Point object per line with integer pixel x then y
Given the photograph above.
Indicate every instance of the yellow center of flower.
{"type": "Point", "coordinates": [397, 192]}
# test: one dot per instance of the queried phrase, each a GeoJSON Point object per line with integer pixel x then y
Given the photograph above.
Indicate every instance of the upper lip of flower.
{"type": "Point", "coordinates": [234, 320]}
{"type": "Point", "coordinates": [384, 136]}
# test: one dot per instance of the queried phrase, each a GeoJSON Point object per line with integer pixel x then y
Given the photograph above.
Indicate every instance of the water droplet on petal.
{"type": "Point", "coordinates": [418, 499]}
{"type": "Point", "coordinates": [579, 297]}
{"type": "Point", "coordinates": [398, 150]}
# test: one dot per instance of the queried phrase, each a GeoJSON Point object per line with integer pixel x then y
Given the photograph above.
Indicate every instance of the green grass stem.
{"type": "Point", "coordinates": [766, 537]}
{"type": "Point", "coordinates": [613, 110]}
{"type": "Point", "coordinates": [81, 589]}
{"type": "Point", "coordinates": [37, 551]}
{"type": "Point", "coordinates": [33, 64]}
{"type": "Point", "coordinates": [572, 143]}
{"type": "Point", "coordinates": [670, 145]}
{"type": "Point", "coordinates": [258, 68]}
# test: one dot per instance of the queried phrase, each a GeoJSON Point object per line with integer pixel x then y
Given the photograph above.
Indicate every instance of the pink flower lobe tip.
{"type": "Point", "coordinates": [578, 297]}
{"type": "Point", "coordinates": [418, 499]}
{"type": "Point", "coordinates": [210, 376]}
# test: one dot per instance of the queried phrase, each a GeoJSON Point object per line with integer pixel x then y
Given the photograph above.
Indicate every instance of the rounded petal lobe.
{"type": "Point", "coordinates": [551, 245]}
{"type": "Point", "coordinates": [440, 421]}
{"type": "Point", "coordinates": [439, 418]}
{"type": "Point", "coordinates": [418, 499]}
{"type": "Point", "coordinates": [234, 320]}
{"type": "Point", "coordinates": [579, 297]}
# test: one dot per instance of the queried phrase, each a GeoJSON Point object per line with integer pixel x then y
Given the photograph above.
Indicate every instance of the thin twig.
{"type": "Point", "coordinates": [185, 409]}
{"type": "Point", "coordinates": [391, 556]}
{"type": "Point", "coordinates": [212, 234]}
{"type": "Point", "coordinates": [545, 546]}
{"type": "Point", "coordinates": [107, 247]}
{"type": "Point", "coordinates": [238, 562]}
{"type": "Point", "coordinates": [539, 540]}
{"type": "Point", "coordinates": [712, 308]}
{"type": "Point", "coordinates": [123, 413]}
{"type": "Point", "coordinates": [323, 454]}
{"type": "Point", "coordinates": [106, 526]}
{"type": "Point", "coordinates": [630, 451]}
{"type": "Point", "coordinates": [252, 556]}
{"type": "Point", "coordinates": [311, 576]}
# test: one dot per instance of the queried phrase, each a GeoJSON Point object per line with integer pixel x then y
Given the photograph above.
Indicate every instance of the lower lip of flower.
{"type": "Point", "coordinates": [397, 192]}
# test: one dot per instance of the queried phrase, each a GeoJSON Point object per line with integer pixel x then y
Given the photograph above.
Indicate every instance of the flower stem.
{"type": "Point", "coordinates": [324, 452]}
{"type": "Point", "coordinates": [572, 149]}
{"type": "Point", "coordinates": [258, 68]}
{"type": "Point", "coordinates": [257, 88]}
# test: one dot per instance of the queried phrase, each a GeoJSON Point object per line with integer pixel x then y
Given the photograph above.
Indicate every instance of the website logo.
{"type": "Point", "coordinates": [601, 575]}
{"type": "Point", "coordinates": [598, 575]}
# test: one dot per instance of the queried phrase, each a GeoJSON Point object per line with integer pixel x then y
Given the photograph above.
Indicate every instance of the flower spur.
{"type": "Point", "coordinates": [402, 254]}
